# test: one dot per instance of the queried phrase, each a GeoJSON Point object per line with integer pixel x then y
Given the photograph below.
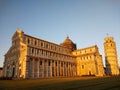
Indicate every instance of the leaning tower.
{"type": "Point", "coordinates": [111, 60]}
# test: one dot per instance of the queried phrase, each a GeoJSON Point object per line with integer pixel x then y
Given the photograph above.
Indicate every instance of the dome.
{"type": "Point", "coordinates": [68, 44]}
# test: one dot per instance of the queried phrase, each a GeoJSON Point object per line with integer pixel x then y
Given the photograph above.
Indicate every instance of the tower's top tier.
{"type": "Point", "coordinates": [109, 39]}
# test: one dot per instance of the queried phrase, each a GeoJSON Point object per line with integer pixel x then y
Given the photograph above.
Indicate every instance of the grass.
{"type": "Point", "coordinates": [74, 83]}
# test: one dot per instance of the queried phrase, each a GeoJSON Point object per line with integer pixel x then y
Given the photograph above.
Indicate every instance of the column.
{"type": "Point", "coordinates": [42, 68]}
{"type": "Point", "coordinates": [33, 68]}
{"type": "Point", "coordinates": [46, 68]}
{"type": "Point", "coordinates": [50, 68]}
{"type": "Point", "coordinates": [75, 69]}
{"type": "Point", "coordinates": [54, 69]}
{"type": "Point", "coordinates": [38, 69]}
{"type": "Point", "coordinates": [63, 69]}
{"type": "Point", "coordinates": [72, 69]}
{"type": "Point", "coordinates": [27, 69]}
{"type": "Point", "coordinates": [30, 68]}
{"type": "Point", "coordinates": [68, 69]}
{"type": "Point", "coordinates": [60, 67]}
{"type": "Point", "coordinates": [57, 68]}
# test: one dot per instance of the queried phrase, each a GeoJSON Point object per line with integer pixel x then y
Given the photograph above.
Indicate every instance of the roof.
{"type": "Point", "coordinates": [67, 41]}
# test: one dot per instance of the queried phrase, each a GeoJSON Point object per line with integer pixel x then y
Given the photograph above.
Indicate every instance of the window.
{"type": "Point", "coordinates": [87, 57]}
{"type": "Point", "coordinates": [42, 52]}
{"type": "Point", "coordinates": [55, 48]}
{"type": "Point", "coordinates": [76, 53]}
{"type": "Point", "coordinates": [51, 46]}
{"type": "Point", "coordinates": [41, 44]}
{"type": "Point", "coordinates": [111, 45]}
{"type": "Point", "coordinates": [40, 62]}
{"type": "Point", "coordinates": [81, 58]}
{"type": "Point", "coordinates": [35, 42]}
{"type": "Point", "coordinates": [48, 62]}
{"type": "Point", "coordinates": [20, 71]}
{"type": "Point", "coordinates": [46, 53]}
{"type": "Point", "coordinates": [59, 49]}
{"type": "Point", "coordinates": [82, 66]}
{"type": "Point", "coordinates": [28, 41]}
{"type": "Point", "coordinates": [55, 63]}
{"type": "Point", "coordinates": [80, 52]}
{"type": "Point", "coordinates": [61, 64]}
{"type": "Point", "coordinates": [84, 58]}
{"type": "Point", "coordinates": [32, 50]}
{"type": "Point", "coordinates": [19, 65]}
{"type": "Point", "coordinates": [37, 51]}
{"type": "Point", "coordinates": [32, 41]}
{"type": "Point", "coordinates": [90, 57]}
{"type": "Point", "coordinates": [46, 45]}
{"type": "Point", "coordinates": [66, 64]}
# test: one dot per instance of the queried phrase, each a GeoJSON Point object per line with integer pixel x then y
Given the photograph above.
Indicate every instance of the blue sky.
{"type": "Point", "coordinates": [85, 21]}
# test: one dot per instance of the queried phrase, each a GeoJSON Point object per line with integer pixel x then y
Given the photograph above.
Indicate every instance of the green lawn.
{"type": "Point", "coordinates": [76, 83]}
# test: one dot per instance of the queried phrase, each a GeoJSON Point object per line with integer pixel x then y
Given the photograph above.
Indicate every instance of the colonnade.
{"type": "Point", "coordinates": [45, 68]}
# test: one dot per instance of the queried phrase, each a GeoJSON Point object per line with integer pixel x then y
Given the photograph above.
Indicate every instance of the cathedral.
{"type": "Point", "coordinates": [31, 57]}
